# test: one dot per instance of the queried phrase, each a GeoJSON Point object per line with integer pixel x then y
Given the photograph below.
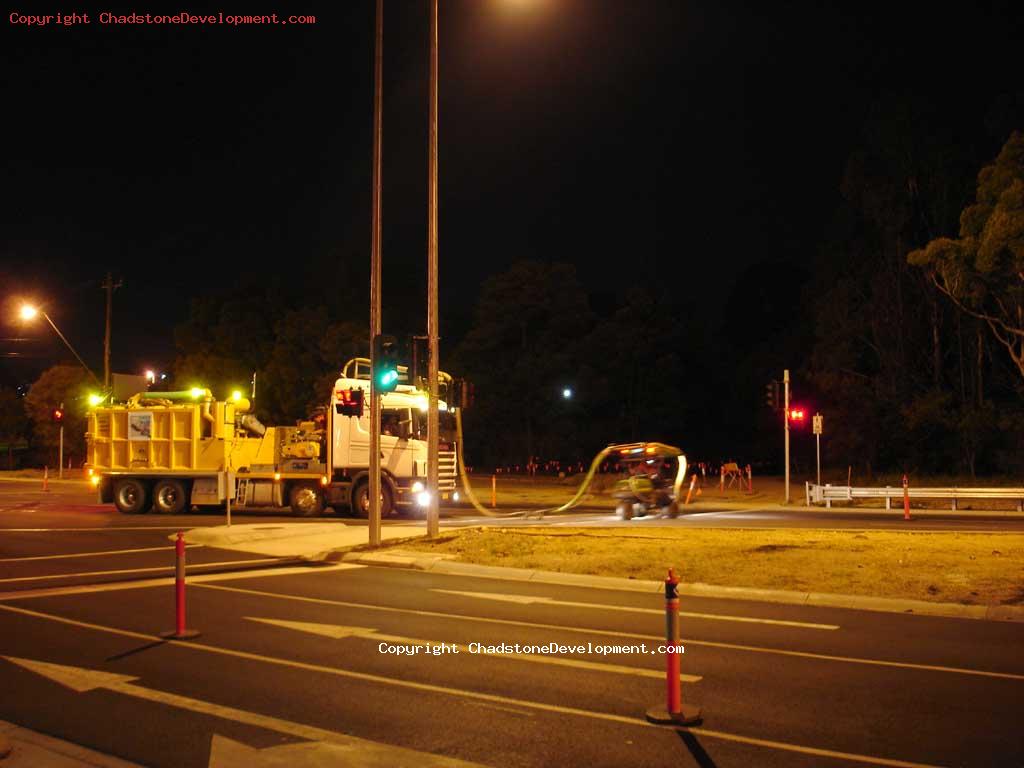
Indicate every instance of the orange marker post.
{"type": "Point", "coordinates": [906, 498]}
{"type": "Point", "coordinates": [675, 712]}
{"type": "Point", "coordinates": [494, 491]}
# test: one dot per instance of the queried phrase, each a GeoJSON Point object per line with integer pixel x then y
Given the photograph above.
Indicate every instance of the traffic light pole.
{"type": "Point", "coordinates": [785, 420]}
{"type": "Point", "coordinates": [60, 456]}
{"type": "Point", "coordinates": [375, 303]}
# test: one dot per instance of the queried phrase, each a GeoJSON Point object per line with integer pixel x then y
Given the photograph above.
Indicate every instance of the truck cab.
{"type": "Point", "coordinates": [403, 445]}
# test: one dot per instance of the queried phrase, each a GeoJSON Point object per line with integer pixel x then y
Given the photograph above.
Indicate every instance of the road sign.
{"type": "Point", "coordinates": [817, 419]}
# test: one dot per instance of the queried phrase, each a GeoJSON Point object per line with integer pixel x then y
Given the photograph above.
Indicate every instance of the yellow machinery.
{"type": "Point", "coordinates": [174, 450]}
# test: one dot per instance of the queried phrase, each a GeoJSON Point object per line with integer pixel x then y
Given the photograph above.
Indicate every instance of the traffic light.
{"type": "Point", "coordinates": [349, 402]}
{"type": "Point", "coordinates": [771, 395]}
{"type": "Point", "coordinates": [797, 416]}
{"type": "Point", "coordinates": [57, 414]}
{"type": "Point", "coordinates": [385, 363]}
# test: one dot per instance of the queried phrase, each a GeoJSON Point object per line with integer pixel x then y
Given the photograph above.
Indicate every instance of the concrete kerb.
{"type": "Point", "coordinates": [30, 749]}
{"type": "Point", "coordinates": [441, 564]}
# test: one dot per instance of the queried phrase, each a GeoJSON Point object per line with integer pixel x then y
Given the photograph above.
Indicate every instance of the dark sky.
{"type": "Point", "coordinates": [681, 141]}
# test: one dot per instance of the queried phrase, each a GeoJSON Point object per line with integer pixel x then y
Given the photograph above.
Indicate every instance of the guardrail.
{"type": "Point", "coordinates": [818, 494]}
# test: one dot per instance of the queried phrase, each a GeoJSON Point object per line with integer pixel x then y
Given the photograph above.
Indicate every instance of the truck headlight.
{"type": "Point", "coordinates": [423, 499]}
{"type": "Point", "coordinates": [417, 487]}
{"type": "Point", "coordinates": [455, 496]}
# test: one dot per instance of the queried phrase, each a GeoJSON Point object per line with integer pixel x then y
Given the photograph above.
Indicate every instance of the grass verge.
{"type": "Point", "coordinates": [968, 568]}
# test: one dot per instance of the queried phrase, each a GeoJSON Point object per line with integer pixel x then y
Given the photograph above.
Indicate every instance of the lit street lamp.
{"type": "Point", "coordinates": [29, 313]}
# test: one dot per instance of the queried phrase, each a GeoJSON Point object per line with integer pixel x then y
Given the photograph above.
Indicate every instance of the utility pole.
{"type": "Point", "coordinates": [785, 419]}
{"type": "Point", "coordinates": [375, 292]}
{"type": "Point", "coordinates": [433, 418]}
{"type": "Point", "coordinates": [109, 285]}
{"type": "Point", "coordinates": [60, 456]}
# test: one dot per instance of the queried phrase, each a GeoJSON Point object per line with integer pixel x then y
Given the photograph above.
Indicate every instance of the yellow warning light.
{"type": "Point", "coordinates": [91, 471]}
{"type": "Point", "coordinates": [197, 392]}
{"type": "Point", "coordinates": [277, 477]}
{"type": "Point", "coordinates": [323, 480]}
{"type": "Point", "coordinates": [95, 400]}
{"type": "Point", "coordinates": [95, 479]}
{"type": "Point", "coordinates": [650, 449]}
{"type": "Point", "coordinates": [236, 395]}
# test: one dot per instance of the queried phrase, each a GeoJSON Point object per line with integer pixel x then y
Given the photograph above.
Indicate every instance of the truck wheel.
{"type": "Point", "coordinates": [361, 500]}
{"type": "Point", "coordinates": [306, 500]}
{"type": "Point", "coordinates": [131, 497]}
{"type": "Point", "coordinates": [169, 497]}
{"type": "Point", "coordinates": [624, 511]}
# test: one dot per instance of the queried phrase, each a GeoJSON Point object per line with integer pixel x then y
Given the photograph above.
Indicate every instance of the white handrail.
{"type": "Point", "coordinates": [826, 494]}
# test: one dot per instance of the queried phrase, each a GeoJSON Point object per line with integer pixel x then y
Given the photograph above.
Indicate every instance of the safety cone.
{"type": "Point", "coordinates": [689, 493]}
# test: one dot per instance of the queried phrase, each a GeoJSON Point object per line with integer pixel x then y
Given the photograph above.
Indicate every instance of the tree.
{"type": "Point", "coordinates": [982, 271]}
{"type": "Point", "coordinates": [65, 384]}
{"type": "Point", "coordinates": [13, 421]}
{"type": "Point", "coordinates": [522, 349]}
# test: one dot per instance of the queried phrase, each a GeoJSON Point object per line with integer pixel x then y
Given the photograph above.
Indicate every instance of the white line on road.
{"type": "Point", "coordinates": [535, 599]}
{"type": "Point", "coordinates": [76, 676]}
{"type": "Point", "coordinates": [92, 554]}
{"type": "Point", "coordinates": [137, 570]}
{"type": "Point", "coordinates": [616, 633]}
{"type": "Point", "coordinates": [87, 589]}
{"type": "Point", "coordinates": [93, 530]}
{"type": "Point", "coordinates": [339, 632]}
{"type": "Point", "coordinates": [81, 680]}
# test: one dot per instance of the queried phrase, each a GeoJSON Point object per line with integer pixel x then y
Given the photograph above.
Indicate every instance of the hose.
{"type": "Point", "coordinates": [524, 513]}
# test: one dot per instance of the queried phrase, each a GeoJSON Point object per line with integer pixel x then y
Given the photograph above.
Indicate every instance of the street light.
{"type": "Point", "coordinates": [29, 312]}
{"type": "Point", "coordinates": [567, 393]}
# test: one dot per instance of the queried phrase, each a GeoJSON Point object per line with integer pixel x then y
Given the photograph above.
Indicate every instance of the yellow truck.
{"type": "Point", "coordinates": [171, 451]}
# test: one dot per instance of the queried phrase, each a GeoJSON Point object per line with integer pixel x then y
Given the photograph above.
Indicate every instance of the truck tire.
{"type": "Point", "coordinates": [624, 511]}
{"type": "Point", "coordinates": [131, 496]}
{"type": "Point", "coordinates": [361, 500]}
{"type": "Point", "coordinates": [169, 497]}
{"type": "Point", "coordinates": [306, 499]}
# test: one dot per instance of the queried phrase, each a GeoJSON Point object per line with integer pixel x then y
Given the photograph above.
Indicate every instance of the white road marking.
{"type": "Point", "coordinates": [634, 635]}
{"type": "Point", "coordinates": [321, 743]}
{"type": "Point", "coordinates": [531, 599]}
{"type": "Point", "coordinates": [104, 529]}
{"type": "Point", "coordinates": [50, 577]}
{"type": "Point", "coordinates": [339, 632]}
{"type": "Point", "coordinates": [84, 589]}
{"type": "Point", "coordinates": [122, 685]}
{"type": "Point", "coordinates": [92, 554]}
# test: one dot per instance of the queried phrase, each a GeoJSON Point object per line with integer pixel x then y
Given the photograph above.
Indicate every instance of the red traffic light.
{"type": "Point", "coordinates": [797, 414]}
{"type": "Point", "coordinates": [349, 402]}
{"type": "Point", "coordinates": [57, 415]}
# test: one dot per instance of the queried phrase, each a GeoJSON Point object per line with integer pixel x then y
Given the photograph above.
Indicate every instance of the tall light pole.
{"type": "Point", "coordinates": [29, 312]}
{"type": "Point", "coordinates": [433, 418]}
{"type": "Point", "coordinates": [375, 303]}
{"type": "Point", "coordinates": [785, 419]}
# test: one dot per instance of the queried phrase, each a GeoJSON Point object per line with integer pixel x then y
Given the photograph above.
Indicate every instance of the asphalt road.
{"type": "Point", "coordinates": [291, 666]}
{"type": "Point", "coordinates": [73, 504]}
{"type": "Point", "coordinates": [288, 669]}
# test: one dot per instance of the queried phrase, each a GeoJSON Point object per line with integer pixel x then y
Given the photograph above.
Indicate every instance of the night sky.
{"type": "Point", "coordinates": [689, 145]}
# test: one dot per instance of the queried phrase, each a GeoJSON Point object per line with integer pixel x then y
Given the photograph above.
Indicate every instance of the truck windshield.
{"type": "Point", "coordinates": [446, 421]}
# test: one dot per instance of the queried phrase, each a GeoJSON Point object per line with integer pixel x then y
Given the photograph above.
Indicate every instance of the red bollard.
{"type": "Point", "coordinates": [179, 632]}
{"type": "Point", "coordinates": [721, 480]}
{"type": "Point", "coordinates": [750, 480]}
{"type": "Point", "coordinates": [906, 499]}
{"type": "Point", "coordinates": [675, 712]}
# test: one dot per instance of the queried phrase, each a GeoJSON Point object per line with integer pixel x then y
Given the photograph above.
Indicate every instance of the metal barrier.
{"type": "Point", "coordinates": [818, 494]}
